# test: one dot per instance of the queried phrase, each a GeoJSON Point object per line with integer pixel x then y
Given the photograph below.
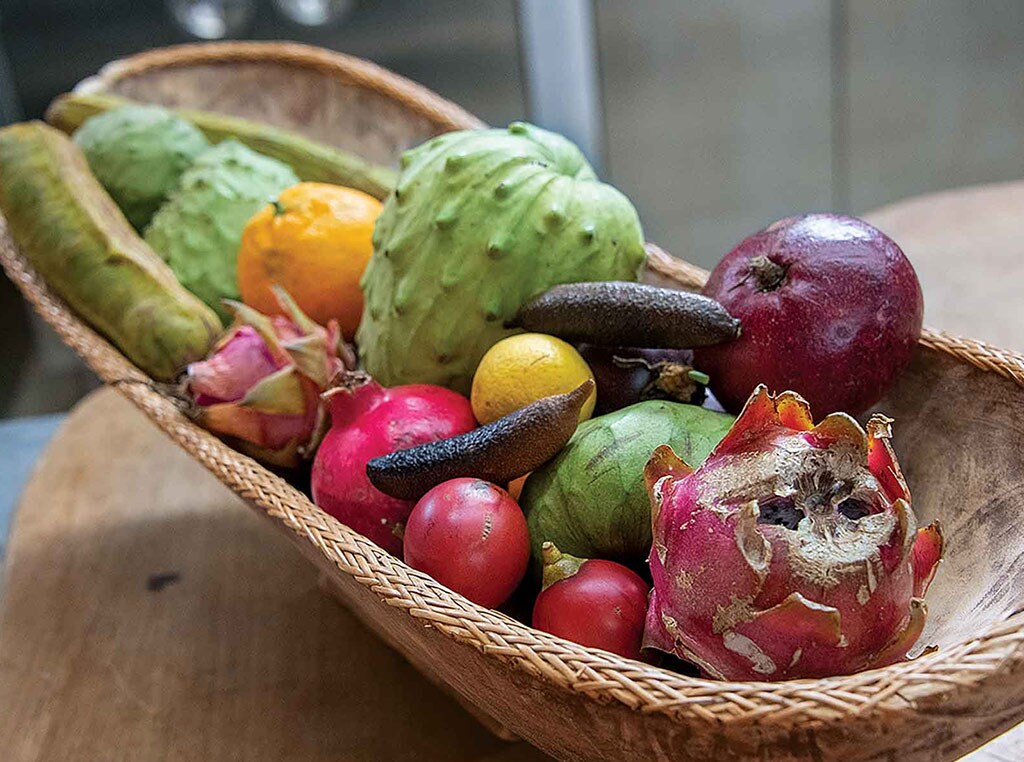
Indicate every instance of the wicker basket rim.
{"type": "Point", "coordinates": [349, 70]}
{"type": "Point", "coordinates": [901, 688]}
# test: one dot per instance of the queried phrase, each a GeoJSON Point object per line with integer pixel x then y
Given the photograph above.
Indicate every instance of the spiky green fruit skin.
{"type": "Point", "coordinates": [591, 501]}
{"type": "Point", "coordinates": [138, 153]}
{"type": "Point", "coordinates": [480, 222]}
{"type": "Point", "coordinates": [312, 161]}
{"type": "Point", "coordinates": [199, 229]}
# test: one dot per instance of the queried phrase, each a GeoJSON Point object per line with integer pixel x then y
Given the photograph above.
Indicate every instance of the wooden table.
{"type": "Point", "coordinates": [148, 615]}
{"type": "Point", "coordinates": [968, 248]}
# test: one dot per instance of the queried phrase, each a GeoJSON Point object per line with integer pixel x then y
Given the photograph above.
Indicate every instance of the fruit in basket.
{"type": "Point", "coordinates": [515, 487]}
{"type": "Point", "coordinates": [590, 500]}
{"type": "Point", "coordinates": [481, 221]}
{"type": "Point", "coordinates": [199, 229]}
{"type": "Point", "coordinates": [75, 237]}
{"type": "Point", "coordinates": [498, 452]}
{"type": "Point", "coordinates": [367, 421]}
{"type": "Point", "coordinates": [261, 386]}
{"type": "Point", "coordinates": [312, 161]}
{"type": "Point", "coordinates": [524, 368]}
{"type": "Point", "coordinates": [596, 603]}
{"type": "Point", "coordinates": [628, 375]}
{"type": "Point", "coordinates": [138, 153]}
{"type": "Point", "coordinates": [470, 536]}
{"type": "Point", "coordinates": [628, 314]}
{"type": "Point", "coordinates": [313, 241]}
{"type": "Point", "coordinates": [831, 308]}
{"type": "Point", "coordinates": [792, 551]}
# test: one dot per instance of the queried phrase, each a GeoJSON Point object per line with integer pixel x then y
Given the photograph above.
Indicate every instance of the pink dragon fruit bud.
{"type": "Point", "coordinates": [261, 385]}
{"type": "Point", "coordinates": [791, 552]}
{"type": "Point", "coordinates": [240, 360]}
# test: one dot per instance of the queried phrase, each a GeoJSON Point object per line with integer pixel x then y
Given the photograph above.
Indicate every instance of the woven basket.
{"type": "Point", "coordinates": [958, 411]}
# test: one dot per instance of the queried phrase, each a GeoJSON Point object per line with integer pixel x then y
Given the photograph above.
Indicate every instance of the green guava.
{"type": "Point", "coordinates": [591, 501]}
{"type": "Point", "coordinates": [480, 222]}
{"type": "Point", "coordinates": [199, 229]}
{"type": "Point", "coordinates": [138, 153]}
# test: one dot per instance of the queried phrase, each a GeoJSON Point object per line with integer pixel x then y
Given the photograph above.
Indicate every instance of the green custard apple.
{"type": "Point", "coordinates": [591, 501]}
{"type": "Point", "coordinates": [480, 222]}
{"type": "Point", "coordinates": [199, 229]}
{"type": "Point", "coordinates": [138, 153]}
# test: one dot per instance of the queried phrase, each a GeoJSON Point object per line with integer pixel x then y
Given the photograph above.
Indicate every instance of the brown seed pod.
{"type": "Point", "coordinates": [498, 452]}
{"type": "Point", "coordinates": [615, 313]}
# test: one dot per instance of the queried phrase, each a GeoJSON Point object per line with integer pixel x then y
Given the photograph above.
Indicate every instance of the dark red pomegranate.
{"type": "Point", "coordinates": [830, 308]}
{"type": "Point", "coordinates": [596, 603]}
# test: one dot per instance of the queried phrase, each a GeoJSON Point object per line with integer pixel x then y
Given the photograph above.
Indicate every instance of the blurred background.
{"type": "Point", "coordinates": [715, 116]}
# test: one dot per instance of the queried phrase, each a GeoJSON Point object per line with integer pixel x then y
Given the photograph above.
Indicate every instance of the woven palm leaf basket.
{"type": "Point", "coordinates": [958, 413]}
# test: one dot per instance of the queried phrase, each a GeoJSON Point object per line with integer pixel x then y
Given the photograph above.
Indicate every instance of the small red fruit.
{"type": "Point", "coordinates": [596, 603]}
{"type": "Point", "coordinates": [471, 536]}
{"type": "Point", "coordinates": [830, 307]}
{"type": "Point", "coordinates": [367, 421]}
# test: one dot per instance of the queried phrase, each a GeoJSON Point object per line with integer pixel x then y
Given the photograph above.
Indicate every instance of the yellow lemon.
{"type": "Point", "coordinates": [524, 368]}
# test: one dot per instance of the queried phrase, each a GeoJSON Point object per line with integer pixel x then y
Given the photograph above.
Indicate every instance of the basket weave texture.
{"type": "Point", "coordinates": [947, 680]}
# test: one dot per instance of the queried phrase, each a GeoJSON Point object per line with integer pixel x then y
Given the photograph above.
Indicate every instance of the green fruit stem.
{"type": "Point", "coordinates": [558, 565]}
{"type": "Point", "coordinates": [676, 381]}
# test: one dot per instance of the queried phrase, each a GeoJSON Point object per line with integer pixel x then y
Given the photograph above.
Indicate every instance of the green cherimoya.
{"type": "Point", "coordinates": [480, 222]}
{"type": "Point", "coordinates": [591, 501]}
{"type": "Point", "coordinates": [138, 153]}
{"type": "Point", "coordinates": [199, 229]}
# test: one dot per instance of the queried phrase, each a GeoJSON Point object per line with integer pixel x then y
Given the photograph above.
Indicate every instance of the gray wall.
{"type": "Point", "coordinates": [723, 115]}
{"type": "Point", "coordinates": [720, 115]}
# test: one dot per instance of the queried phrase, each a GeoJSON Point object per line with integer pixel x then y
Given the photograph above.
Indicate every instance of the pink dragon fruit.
{"type": "Point", "coordinates": [261, 384]}
{"type": "Point", "coordinates": [791, 552]}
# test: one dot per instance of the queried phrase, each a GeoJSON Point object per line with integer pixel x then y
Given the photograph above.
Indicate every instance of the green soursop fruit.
{"type": "Point", "coordinates": [590, 500]}
{"type": "Point", "coordinates": [199, 229]}
{"type": "Point", "coordinates": [480, 222]}
{"type": "Point", "coordinates": [138, 153]}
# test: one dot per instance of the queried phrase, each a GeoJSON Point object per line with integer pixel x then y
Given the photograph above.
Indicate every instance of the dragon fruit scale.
{"type": "Point", "coordinates": [791, 552]}
{"type": "Point", "coordinates": [262, 382]}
